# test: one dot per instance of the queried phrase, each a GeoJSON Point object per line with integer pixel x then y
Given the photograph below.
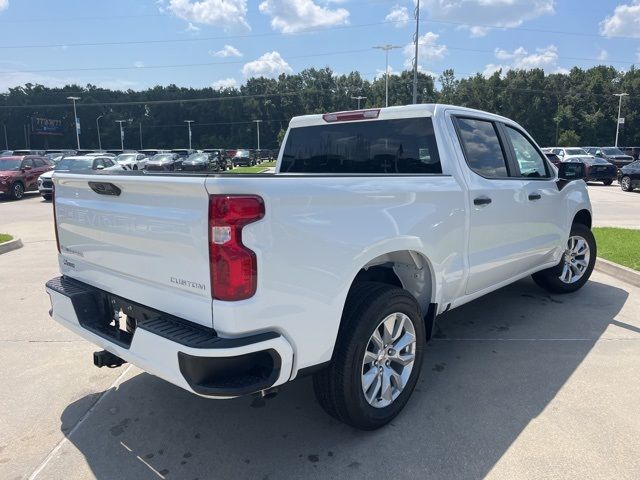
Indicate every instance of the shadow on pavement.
{"type": "Point", "coordinates": [493, 367]}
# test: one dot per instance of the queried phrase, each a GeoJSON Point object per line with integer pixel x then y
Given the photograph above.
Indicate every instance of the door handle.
{"type": "Point", "coordinates": [480, 201]}
{"type": "Point", "coordinates": [535, 196]}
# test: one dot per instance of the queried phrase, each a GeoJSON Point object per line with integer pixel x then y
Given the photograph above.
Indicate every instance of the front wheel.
{"type": "Point", "coordinates": [625, 184]}
{"type": "Point", "coordinates": [377, 357]}
{"type": "Point", "coordinates": [17, 191]}
{"type": "Point", "coordinates": [575, 266]}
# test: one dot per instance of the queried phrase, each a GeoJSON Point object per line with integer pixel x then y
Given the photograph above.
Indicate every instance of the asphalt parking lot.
{"type": "Point", "coordinates": [518, 384]}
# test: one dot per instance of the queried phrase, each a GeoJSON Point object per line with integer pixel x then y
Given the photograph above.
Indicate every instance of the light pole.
{"type": "Point", "coordinates": [121, 133]}
{"type": "Point", "coordinates": [6, 142]}
{"type": "Point", "coordinates": [75, 119]}
{"type": "Point", "coordinates": [98, 128]}
{"type": "Point", "coordinates": [386, 49]}
{"type": "Point", "coordinates": [619, 95]}
{"type": "Point", "coordinates": [359, 97]}
{"type": "Point", "coordinates": [189, 122]}
{"type": "Point", "coordinates": [415, 60]}
{"type": "Point", "coordinates": [258, 122]}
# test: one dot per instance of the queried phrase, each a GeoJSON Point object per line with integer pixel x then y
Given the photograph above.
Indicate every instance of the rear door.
{"type": "Point", "coordinates": [146, 242]}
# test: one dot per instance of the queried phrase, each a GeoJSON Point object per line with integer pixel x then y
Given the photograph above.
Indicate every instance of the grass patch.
{"type": "Point", "coordinates": [5, 237]}
{"type": "Point", "coordinates": [256, 169]}
{"type": "Point", "coordinates": [619, 245]}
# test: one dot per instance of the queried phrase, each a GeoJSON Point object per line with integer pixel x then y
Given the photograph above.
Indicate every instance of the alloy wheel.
{"type": "Point", "coordinates": [388, 360]}
{"type": "Point", "coordinates": [576, 259]}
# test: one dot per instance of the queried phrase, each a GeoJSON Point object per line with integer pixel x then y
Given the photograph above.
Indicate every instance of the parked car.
{"type": "Point", "coordinates": [612, 154]}
{"type": "Point", "coordinates": [632, 152]}
{"type": "Point", "coordinates": [19, 174]}
{"type": "Point", "coordinates": [150, 152]}
{"type": "Point", "coordinates": [202, 161]}
{"type": "Point", "coordinates": [223, 157]}
{"type": "Point", "coordinates": [596, 169]}
{"type": "Point", "coordinates": [553, 158]}
{"type": "Point", "coordinates": [132, 160]}
{"type": "Point", "coordinates": [629, 176]}
{"type": "Point", "coordinates": [337, 265]}
{"type": "Point", "coordinates": [243, 158]}
{"type": "Point", "coordinates": [164, 161]}
{"type": "Point", "coordinates": [183, 152]}
{"type": "Point", "coordinates": [77, 164]}
{"type": "Point", "coordinates": [566, 151]}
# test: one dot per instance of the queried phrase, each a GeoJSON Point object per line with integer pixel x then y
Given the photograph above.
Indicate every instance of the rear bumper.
{"type": "Point", "coordinates": [178, 351]}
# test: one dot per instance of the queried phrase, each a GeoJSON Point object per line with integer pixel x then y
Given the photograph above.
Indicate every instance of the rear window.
{"type": "Point", "coordinates": [384, 146]}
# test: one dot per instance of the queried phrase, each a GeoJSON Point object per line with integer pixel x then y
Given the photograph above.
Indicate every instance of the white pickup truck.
{"type": "Point", "coordinates": [338, 264]}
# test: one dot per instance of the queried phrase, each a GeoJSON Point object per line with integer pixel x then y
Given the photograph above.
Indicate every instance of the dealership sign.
{"type": "Point", "coordinates": [46, 126]}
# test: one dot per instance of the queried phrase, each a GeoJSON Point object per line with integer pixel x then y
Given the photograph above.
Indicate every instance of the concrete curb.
{"type": "Point", "coordinates": [14, 244]}
{"type": "Point", "coordinates": [618, 271]}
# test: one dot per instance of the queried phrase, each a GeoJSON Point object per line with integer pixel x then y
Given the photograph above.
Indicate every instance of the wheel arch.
{"type": "Point", "coordinates": [583, 217]}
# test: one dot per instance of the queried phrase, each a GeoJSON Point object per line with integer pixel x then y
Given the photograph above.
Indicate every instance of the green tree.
{"type": "Point", "coordinates": [568, 138]}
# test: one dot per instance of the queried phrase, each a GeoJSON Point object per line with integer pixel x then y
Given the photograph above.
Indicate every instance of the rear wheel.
{"type": "Point", "coordinates": [625, 184]}
{"type": "Point", "coordinates": [607, 181]}
{"type": "Point", "coordinates": [576, 264]}
{"type": "Point", "coordinates": [17, 191]}
{"type": "Point", "coordinates": [47, 197]}
{"type": "Point", "coordinates": [377, 358]}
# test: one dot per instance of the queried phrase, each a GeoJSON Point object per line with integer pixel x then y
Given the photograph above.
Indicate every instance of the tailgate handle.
{"type": "Point", "coordinates": [105, 188]}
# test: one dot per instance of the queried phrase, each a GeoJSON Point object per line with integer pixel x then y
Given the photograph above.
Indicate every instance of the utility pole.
{"type": "Point", "coordinates": [415, 59]}
{"type": "Point", "coordinates": [140, 130]}
{"type": "Point", "coordinates": [359, 97]}
{"type": "Point", "coordinates": [258, 122]}
{"type": "Point", "coordinates": [386, 49]}
{"type": "Point", "coordinates": [6, 142]}
{"type": "Point", "coordinates": [189, 122]}
{"type": "Point", "coordinates": [121, 133]}
{"type": "Point", "coordinates": [619, 95]}
{"type": "Point", "coordinates": [75, 119]}
{"type": "Point", "coordinates": [98, 128]}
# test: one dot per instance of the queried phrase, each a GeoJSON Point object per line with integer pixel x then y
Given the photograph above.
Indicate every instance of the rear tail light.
{"type": "Point", "coordinates": [351, 115]}
{"type": "Point", "coordinates": [55, 217]}
{"type": "Point", "coordinates": [233, 267]}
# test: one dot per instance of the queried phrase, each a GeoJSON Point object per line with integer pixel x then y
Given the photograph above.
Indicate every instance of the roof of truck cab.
{"type": "Point", "coordinates": [403, 111]}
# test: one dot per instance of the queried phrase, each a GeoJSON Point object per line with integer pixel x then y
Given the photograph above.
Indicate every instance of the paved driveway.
{"type": "Point", "coordinates": [518, 384]}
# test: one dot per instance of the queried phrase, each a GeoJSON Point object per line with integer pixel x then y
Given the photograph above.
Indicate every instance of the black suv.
{"type": "Point", "coordinates": [629, 176]}
{"type": "Point", "coordinates": [611, 154]}
{"type": "Point", "coordinates": [223, 157]}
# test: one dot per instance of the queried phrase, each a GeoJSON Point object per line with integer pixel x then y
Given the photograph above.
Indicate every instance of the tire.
{"type": "Point", "coordinates": [17, 191]}
{"type": "Point", "coordinates": [550, 279]}
{"type": "Point", "coordinates": [625, 184]}
{"type": "Point", "coordinates": [608, 181]}
{"type": "Point", "coordinates": [340, 388]}
{"type": "Point", "coordinates": [47, 197]}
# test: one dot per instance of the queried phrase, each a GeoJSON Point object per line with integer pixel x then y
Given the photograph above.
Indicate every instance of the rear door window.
{"type": "Point", "coordinates": [482, 148]}
{"type": "Point", "coordinates": [384, 146]}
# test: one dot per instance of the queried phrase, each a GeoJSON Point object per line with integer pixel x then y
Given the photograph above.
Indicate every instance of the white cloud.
{"type": "Point", "coordinates": [228, 14]}
{"type": "Point", "coordinates": [428, 50]}
{"type": "Point", "coordinates": [191, 28]}
{"type": "Point", "coordinates": [475, 13]}
{"type": "Point", "coordinates": [226, 51]}
{"type": "Point", "coordinates": [399, 16]}
{"type": "Point", "coordinates": [270, 65]}
{"type": "Point", "coordinates": [520, 59]}
{"type": "Point", "coordinates": [4, 4]}
{"type": "Point", "coordinates": [292, 16]}
{"type": "Point", "coordinates": [225, 83]}
{"type": "Point", "coordinates": [625, 21]}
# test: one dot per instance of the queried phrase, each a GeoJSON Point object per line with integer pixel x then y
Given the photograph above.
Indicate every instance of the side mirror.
{"type": "Point", "coordinates": [570, 171]}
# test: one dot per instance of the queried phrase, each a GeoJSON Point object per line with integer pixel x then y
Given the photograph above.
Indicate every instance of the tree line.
{"type": "Point", "coordinates": [574, 108]}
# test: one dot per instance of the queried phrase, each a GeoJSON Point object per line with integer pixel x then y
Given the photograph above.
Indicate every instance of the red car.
{"type": "Point", "coordinates": [19, 174]}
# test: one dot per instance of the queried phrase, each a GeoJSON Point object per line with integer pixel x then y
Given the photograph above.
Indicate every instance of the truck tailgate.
{"type": "Point", "coordinates": [149, 243]}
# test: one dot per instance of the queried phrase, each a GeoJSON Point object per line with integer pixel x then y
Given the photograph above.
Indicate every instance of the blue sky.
{"type": "Point", "coordinates": [224, 42]}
